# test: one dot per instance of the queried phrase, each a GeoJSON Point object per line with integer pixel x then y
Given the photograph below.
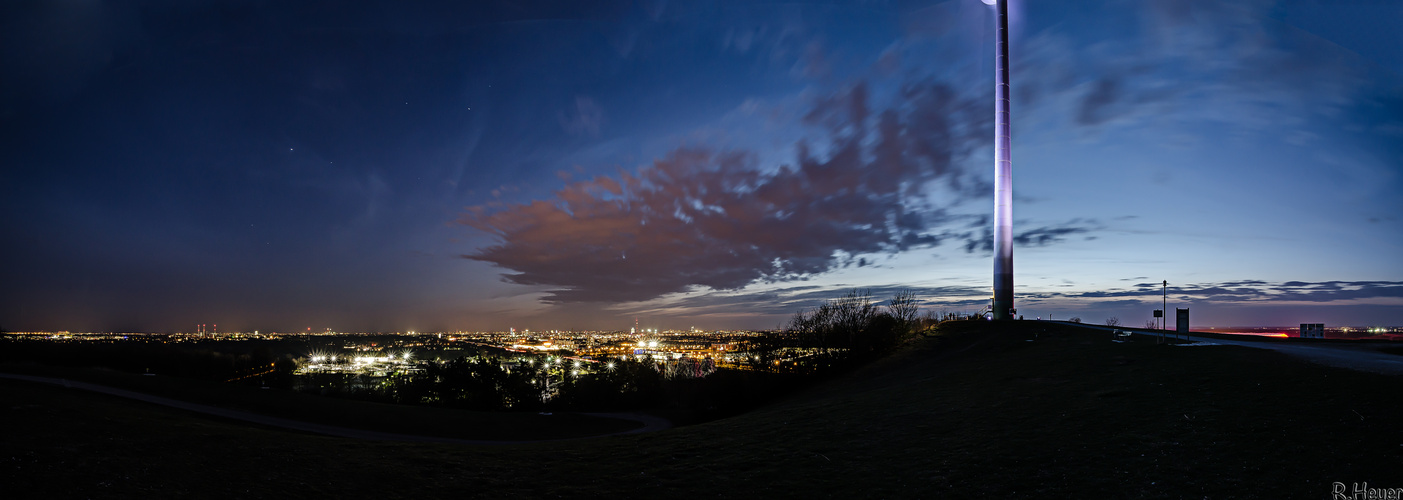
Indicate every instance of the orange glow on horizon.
{"type": "Point", "coordinates": [1260, 334]}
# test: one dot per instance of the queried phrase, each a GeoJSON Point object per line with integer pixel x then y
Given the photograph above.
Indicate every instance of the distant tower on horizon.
{"type": "Point", "coordinates": [1003, 173]}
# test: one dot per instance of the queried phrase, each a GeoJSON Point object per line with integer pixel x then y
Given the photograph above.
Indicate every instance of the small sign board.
{"type": "Point", "coordinates": [1159, 313]}
{"type": "Point", "coordinates": [1312, 330]}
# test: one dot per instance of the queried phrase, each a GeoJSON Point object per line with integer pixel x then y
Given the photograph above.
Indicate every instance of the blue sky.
{"type": "Point", "coordinates": [718, 165]}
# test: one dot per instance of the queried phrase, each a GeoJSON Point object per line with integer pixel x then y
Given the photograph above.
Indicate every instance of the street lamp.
{"type": "Point", "coordinates": [1163, 302]}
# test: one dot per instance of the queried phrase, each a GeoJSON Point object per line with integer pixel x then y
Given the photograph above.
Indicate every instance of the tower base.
{"type": "Point", "coordinates": [1003, 310]}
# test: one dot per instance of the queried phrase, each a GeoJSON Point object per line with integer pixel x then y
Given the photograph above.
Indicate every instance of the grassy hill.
{"type": "Point", "coordinates": [981, 409]}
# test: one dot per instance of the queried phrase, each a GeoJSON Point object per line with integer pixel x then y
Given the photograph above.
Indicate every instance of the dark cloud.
{"type": "Point", "coordinates": [785, 301]}
{"type": "Point", "coordinates": [1096, 105]}
{"type": "Point", "coordinates": [1036, 237]}
{"type": "Point", "coordinates": [1044, 236]}
{"type": "Point", "coordinates": [1257, 290]}
{"type": "Point", "coordinates": [717, 220]}
{"type": "Point", "coordinates": [1231, 62]}
{"type": "Point", "coordinates": [1240, 283]}
{"type": "Point", "coordinates": [984, 243]}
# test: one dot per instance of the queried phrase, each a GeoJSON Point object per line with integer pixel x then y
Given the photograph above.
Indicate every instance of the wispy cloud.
{"type": "Point", "coordinates": [784, 301]}
{"type": "Point", "coordinates": [1256, 291]}
{"type": "Point", "coordinates": [585, 119]}
{"type": "Point", "coordinates": [1036, 237]}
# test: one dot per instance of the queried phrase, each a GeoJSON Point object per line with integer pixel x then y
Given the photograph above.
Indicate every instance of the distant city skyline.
{"type": "Point", "coordinates": [483, 166]}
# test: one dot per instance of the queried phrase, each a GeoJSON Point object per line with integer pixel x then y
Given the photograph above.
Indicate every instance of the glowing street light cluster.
{"type": "Point", "coordinates": [390, 362]}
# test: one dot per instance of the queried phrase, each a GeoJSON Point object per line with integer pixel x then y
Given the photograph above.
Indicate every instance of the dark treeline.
{"type": "Point", "coordinates": [839, 334]}
{"type": "Point", "coordinates": [843, 332]}
{"type": "Point", "coordinates": [689, 390]}
{"type": "Point", "coordinates": [208, 362]}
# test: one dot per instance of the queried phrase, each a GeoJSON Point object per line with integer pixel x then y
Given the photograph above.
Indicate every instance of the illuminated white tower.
{"type": "Point", "coordinates": [1003, 172]}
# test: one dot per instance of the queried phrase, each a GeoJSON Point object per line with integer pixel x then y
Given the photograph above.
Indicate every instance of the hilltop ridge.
{"type": "Point", "coordinates": [979, 408]}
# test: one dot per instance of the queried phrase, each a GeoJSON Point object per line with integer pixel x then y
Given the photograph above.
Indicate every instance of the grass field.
{"type": "Point", "coordinates": [978, 410]}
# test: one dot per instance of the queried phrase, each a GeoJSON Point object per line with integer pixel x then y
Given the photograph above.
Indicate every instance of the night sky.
{"type": "Point", "coordinates": [278, 166]}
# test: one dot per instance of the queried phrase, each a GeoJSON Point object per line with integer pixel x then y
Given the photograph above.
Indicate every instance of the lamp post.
{"type": "Point", "coordinates": [1163, 301]}
{"type": "Point", "coordinates": [1003, 171]}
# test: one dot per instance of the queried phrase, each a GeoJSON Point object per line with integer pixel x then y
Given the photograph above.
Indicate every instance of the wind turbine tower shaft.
{"type": "Point", "coordinates": [1003, 174]}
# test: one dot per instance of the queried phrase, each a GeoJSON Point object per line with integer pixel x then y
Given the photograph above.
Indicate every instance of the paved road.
{"type": "Point", "coordinates": [650, 423]}
{"type": "Point", "coordinates": [1354, 357]}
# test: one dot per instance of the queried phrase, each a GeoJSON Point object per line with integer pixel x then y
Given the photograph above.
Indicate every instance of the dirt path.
{"type": "Point", "coordinates": [1360, 358]}
{"type": "Point", "coordinates": [650, 423]}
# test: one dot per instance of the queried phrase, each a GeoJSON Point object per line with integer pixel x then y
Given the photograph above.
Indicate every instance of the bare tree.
{"type": "Point", "coordinates": [1112, 321]}
{"type": "Point", "coordinates": [852, 326]}
{"type": "Point", "coordinates": [1150, 324]}
{"type": "Point", "coordinates": [1075, 319]}
{"type": "Point", "coordinates": [904, 307]}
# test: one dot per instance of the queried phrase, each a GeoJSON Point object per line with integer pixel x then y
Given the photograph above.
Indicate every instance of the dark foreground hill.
{"type": "Point", "coordinates": [1023, 409]}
